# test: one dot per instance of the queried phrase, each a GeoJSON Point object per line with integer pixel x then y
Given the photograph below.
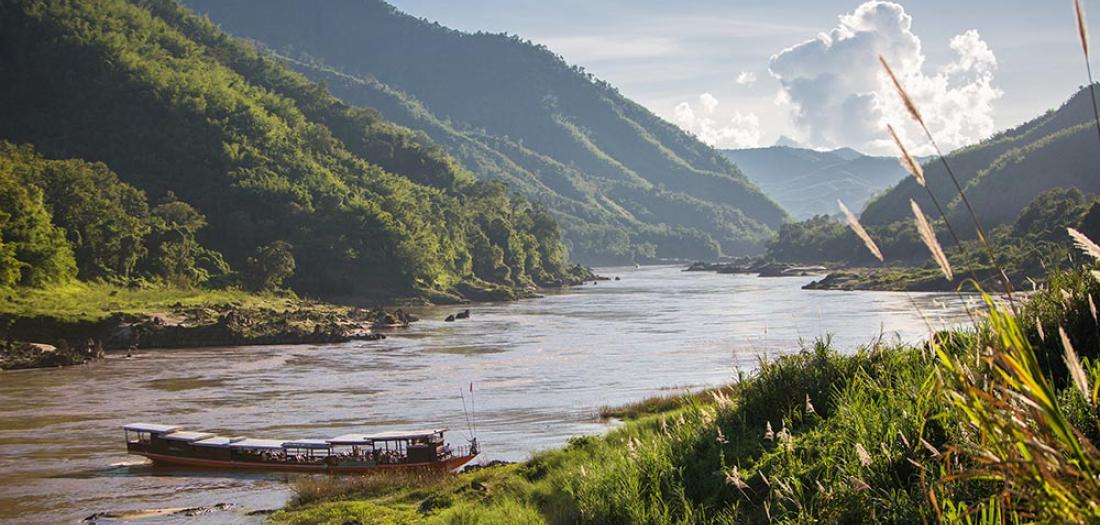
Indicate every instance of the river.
{"type": "Point", "coordinates": [541, 369]}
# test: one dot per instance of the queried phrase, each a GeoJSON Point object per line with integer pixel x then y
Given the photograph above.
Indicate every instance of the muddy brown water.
{"type": "Point", "coordinates": [541, 369]}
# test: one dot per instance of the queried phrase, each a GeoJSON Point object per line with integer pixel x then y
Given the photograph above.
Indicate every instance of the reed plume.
{"type": "Point", "coordinates": [1084, 243]}
{"type": "Point", "coordinates": [1073, 363]}
{"type": "Point", "coordinates": [1083, 32]}
{"type": "Point", "coordinates": [911, 107]}
{"type": "Point", "coordinates": [853, 222]}
{"type": "Point", "coordinates": [929, 238]}
{"type": "Point", "coordinates": [907, 161]}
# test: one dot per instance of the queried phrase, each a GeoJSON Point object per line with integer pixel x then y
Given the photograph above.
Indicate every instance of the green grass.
{"type": "Point", "coordinates": [82, 301]}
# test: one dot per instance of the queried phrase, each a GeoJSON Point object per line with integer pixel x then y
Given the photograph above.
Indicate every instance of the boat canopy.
{"type": "Point", "coordinates": [150, 427]}
{"type": "Point", "coordinates": [307, 443]}
{"type": "Point", "coordinates": [396, 435]}
{"type": "Point", "coordinates": [257, 444]}
{"type": "Point", "coordinates": [349, 439]}
{"type": "Point", "coordinates": [217, 441]}
{"type": "Point", "coordinates": [188, 437]}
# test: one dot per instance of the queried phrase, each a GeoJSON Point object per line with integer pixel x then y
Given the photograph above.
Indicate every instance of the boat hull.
{"type": "Point", "coordinates": [446, 465]}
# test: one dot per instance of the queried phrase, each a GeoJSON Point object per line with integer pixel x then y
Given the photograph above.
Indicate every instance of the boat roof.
{"type": "Point", "coordinates": [217, 441]}
{"type": "Point", "coordinates": [188, 436]}
{"type": "Point", "coordinates": [307, 443]}
{"type": "Point", "coordinates": [403, 434]}
{"type": "Point", "coordinates": [257, 443]}
{"type": "Point", "coordinates": [349, 439]}
{"type": "Point", "coordinates": [150, 427]}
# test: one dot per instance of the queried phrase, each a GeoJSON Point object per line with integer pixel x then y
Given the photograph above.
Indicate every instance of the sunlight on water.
{"type": "Point", "coordinates": [541, 370]}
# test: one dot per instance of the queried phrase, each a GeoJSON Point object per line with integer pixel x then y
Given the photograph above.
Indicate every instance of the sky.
{"type": "Point", "coordinates": [743, 73]}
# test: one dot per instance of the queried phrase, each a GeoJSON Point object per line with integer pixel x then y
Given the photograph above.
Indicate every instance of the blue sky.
{"type": "Point", "coordinates": [666, 55]}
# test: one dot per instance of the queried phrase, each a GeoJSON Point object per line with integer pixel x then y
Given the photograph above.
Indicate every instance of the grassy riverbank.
{"type": "Point", "coordinates": [86, 301]}
{"type": "Point", "coordinates": [81, 319]}
{"type": "Point", "coordinates": [889, 434]}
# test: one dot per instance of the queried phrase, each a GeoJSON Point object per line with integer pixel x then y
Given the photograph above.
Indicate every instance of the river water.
{"type": "Point", "coordinates": [541, 369]}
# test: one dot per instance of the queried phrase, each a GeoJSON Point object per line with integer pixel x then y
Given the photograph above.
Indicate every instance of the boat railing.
{"type": "Point", "coordinates": [460, 450]}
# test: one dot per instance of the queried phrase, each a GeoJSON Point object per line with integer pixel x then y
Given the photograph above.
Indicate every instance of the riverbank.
{"type": "Point", "coordinates": [74, 323]}
{"type": "Point", "coordinates": [880, 279]}
{"type": "Point", "coordinates": [891, 434]}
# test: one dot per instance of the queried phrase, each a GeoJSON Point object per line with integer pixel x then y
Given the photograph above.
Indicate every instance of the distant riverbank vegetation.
{"type": "Point", "coordinates": [1027, 248]}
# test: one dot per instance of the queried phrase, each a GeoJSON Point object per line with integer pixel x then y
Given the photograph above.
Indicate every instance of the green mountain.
{"type": "Point", "coordinates": [266, 160]}
{"type": "Point", "coordinates": [1003, 174]}
{"type": "Point", "coordinates": [807, 182]}
{"type": "Point", "coordinates": [623, 183]}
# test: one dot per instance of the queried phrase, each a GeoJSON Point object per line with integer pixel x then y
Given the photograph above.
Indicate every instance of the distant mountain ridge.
{"type": "Point", "coordinates": [623, 183]}
{"type": "Point", "coordinates": [808, 182]}
{"type": "Point", "coordinates": [1004, 173]}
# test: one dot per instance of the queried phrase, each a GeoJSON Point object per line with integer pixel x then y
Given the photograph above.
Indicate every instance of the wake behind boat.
{"type": "Point", "coordinates": [348, 453]}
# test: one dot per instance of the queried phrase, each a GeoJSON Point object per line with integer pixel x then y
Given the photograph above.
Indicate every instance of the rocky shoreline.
{"type": "Point", "coordinates": [212, 325]}
{"type": "Point", "coordinates": [42, 341]}
{"type": "Point", "coordinates": [753, 265]}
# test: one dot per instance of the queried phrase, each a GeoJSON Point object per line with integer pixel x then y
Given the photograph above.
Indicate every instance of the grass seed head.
{"type": "Point", "coordinates": [853, 222]}
{"type": "Point", "coordinates": [1076, 371]}
{"type": "Point", "coordinates": [907, 161]}
{"type": "Point", "coordinates": [1082, 27]}
{"type": "Point", "coordinates": [1084, 243]}
{"type": "Point", "coordinates": [929, 238]}
{"type": "Point", "coordinates": [910, 106]}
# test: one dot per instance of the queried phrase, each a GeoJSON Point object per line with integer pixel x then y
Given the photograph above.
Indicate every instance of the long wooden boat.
{"type": "Point", "coordinates": [349, 453]}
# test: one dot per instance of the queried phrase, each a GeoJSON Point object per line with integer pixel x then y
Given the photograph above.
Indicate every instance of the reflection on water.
{"type": "Point", "coordinates": [541, 369]}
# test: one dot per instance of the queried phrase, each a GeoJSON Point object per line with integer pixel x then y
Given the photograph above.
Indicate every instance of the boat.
{"type": "Point", "coordinates": [348, 453]}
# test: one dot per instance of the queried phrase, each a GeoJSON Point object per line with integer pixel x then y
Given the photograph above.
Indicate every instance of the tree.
{"type": "Point", "coordinates": [269, 267]}
{"type": "Point", "coordinates": [1048, 215]}
{"type": "Point", "coordinates": [33, 252]}
{"type": "Point", "coordinates": [1090, 223]}
{"type": "Point", "coordinates": [172, 245]}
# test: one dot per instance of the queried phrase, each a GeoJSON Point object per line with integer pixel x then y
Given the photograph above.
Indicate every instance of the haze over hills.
{"type": "Point", "coordinates": [624, 184]}
{"type": "Point", "coordinates": [1004, 173]}
{"type": "Point", "coordinates": [808, 182]}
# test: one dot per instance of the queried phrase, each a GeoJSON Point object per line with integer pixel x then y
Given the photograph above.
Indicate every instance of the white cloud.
{"type": "Point", "coordinates": [741, 130]}
{"type": "Point", "coordinates": [746, 78]}
{"type": "Point", "coordinates": [839, 96]}
{"type": "Point", "coordinates": [709, 102]}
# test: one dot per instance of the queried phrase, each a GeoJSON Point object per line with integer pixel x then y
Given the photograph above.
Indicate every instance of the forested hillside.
{"type": "Point", "coordinates": [807, 182]}
{"type": "Point", "coordinates": [230, 157]}
{"type": "Point", "coordinates": [624, 184]}
{"type": "Point", "coordinates": [1003, 174]}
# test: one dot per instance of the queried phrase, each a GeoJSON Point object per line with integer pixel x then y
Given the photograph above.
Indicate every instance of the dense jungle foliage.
{"type": "Point", "coordinates": [225, 157]}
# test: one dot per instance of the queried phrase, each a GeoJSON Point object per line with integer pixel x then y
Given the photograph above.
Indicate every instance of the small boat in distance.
{"type": "Point", "coordinates": [348, 453]}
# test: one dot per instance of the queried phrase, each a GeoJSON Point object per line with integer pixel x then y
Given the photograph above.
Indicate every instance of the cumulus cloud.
{"type": "Point", "coordinates": [741, 130]}
{"type": "Point", "coordinates": [746, 78]}
{"type": "Point", "coordinates": [839, 96]}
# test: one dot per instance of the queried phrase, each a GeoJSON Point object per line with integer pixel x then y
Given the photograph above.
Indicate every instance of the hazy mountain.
{"type": "Point", "coordinates": [1003, 174]}
{"type": "Point", "coordinates": [807, 182]}
{"type": "Point", "coordinates": [623, 183]}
